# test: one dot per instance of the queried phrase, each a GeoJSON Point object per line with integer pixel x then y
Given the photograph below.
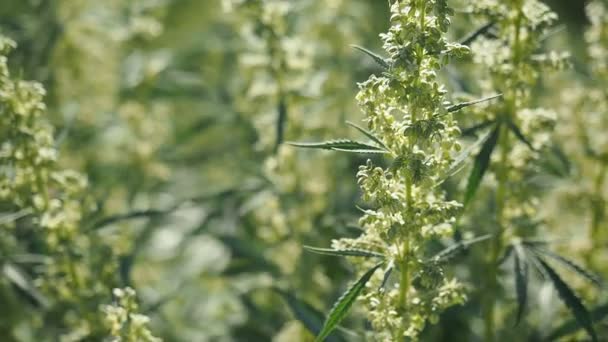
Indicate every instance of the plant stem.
{"type": "Point", "coordinates": [404, 284]}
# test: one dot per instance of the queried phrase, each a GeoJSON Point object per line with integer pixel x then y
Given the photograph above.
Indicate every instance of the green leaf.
{"type": "Point", "coordinates": [344, 252]}
{"type": "Point", "coordinates": [471, 130]}
{"type": "Point", "coordinates": [571, 326]}
{"type": "Point", "coordinates": [456, 248]}
{"type": "Point", "coordinates": [459, 106]}
{"type": "Point", "coordinates": [377, 58]}
{"type": "Point", "coordinates": [580, 270]}
{"type": "Point", "coordinates": [10, 217]}
{"type": "Point", "coordinates": [344, 145]}
{"type": "Point", "coordinates": [520, 268]}
{"type": "Point", "coordinates": [513, 128]}
{"type": "Point", "coordinates": [344, 303]}
{"type": "Point", "coordinates": [24, 284]}
{"type": "Point", "coordinates": [460, 160]}
{"type": "Point", "coordinates": [478, 32]}
{"type": "Point", "coordinates": [281, 121]}
{"type": "Point", "coordinates": [387, 275]}
{"type": "Point", "coordinates": [367, 134]}
{"type": "Point", "coordinates": [568, 296]}
{"type": "Point", "coordinates": [482, 161]}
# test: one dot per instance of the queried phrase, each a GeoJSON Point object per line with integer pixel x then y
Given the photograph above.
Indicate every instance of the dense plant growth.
{"type": "Point", "coordinates": [327, 170]}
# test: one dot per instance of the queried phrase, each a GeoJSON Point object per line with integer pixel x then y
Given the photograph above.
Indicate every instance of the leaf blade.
{"type": "Point", "coordinates": [367, 134]}
{"type": "Point", "coordinates": [521, 269]}
{"type": "Point", "coordinates": [344, 303]}
{"type": "Point", "coordinates": [344, 252]}
{"type": "Point", "coordinates": [573, 303]}
{"type": "Point", "coordinates": [482, 161]}
{"type": "Point", "coordinates": [344, 145]}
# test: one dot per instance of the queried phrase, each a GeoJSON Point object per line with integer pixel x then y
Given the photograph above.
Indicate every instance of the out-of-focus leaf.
{"type": "Point", "coordinates": [476, 33]}
{"type": "Point", "coordinates": [344, 303]}
{"type": "Point", "coordinates": [568, 296]}
{"type": "Point", "coordinates": [578, 269]}
{"type": "Point", "coordinates": [571, 326]}
{"type": "Point", "coordinates": [281, 121]}
{"type": "Point", "coordinates": [520, 268]}
{"type": "Point", "coordinates": [518, 133]}
{"type": "Point", "coordinates": [482, 161]}
{"type": "Point", "coordinates": [460, 160]}
{"type": "Point", "coordinates": [24, 284]}
{"type": "Point", "coordinates": [387, 275]}
{"type": "Point", "coordinates": [471, 130]}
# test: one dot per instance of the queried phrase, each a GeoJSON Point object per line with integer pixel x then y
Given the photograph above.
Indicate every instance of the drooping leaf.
{"type": "Point", "coordinates": [367, 134]}
{"type": "Point", "coordinates": [520, 268]}
{"type": "Point", "coordinates": [482, 161]}
{"type": "Point", "coordinates": [571, 326]}
{"type": "Point", "coordinates": [568, 296]}
{"type": "Point", "coordinates": [505, 256]}
{"type": "Point", "coordinates": [344, 303]}
{"type": "Point", "coordinates": [344, 252]}
{"type": "Point", "coordinates": [456, 248]}
{"type": "Point", "coordinates": [578, 269]}
{"type": "Point", "coordinates": [459, 106]}
{"type": "Point", "coordinates": [518, 133]}
{"type": "Point", "coordinates": [377, 58]}
{"type": "Point", "coordinates": [344, 145]}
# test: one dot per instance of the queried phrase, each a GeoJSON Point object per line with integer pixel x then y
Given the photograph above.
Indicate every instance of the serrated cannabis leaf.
{"type": "Point", "coordinates": [568, 296]}
{"type": "Point", "coordinates": [344, 252]}
{"type": "Point", "coordinates": [520, 268]}
{"type": "Point", "coordinates": [580, 270]}
{"type": "Point", "coordinates": [304, 312]}
{"type": "Point", "coordinates": [344, 303]}
{"type": "Point", "coordinates": [571, 326]}
{"type": "Point", "coordinates": [344, 145]}
{"type": "Point", "coordinates": [377, 58]}
{"type": "Point", "coordinates": [518, 133]}
{"type": "Point", "coordinates": [452, 250]}
{"type": "Point", "coordinates": [482, 161]}
{"type": "Point", "coordinates": [367, 134]}
{"type": "Point", "coordinates": [459, 106]}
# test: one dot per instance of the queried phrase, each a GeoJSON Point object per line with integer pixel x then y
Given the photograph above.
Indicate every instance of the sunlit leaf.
{"type": "Point", "coordinates": [344, 252]}
{"type": "Point", "coordinates": [344, 303]}
{"type": "Point", "coordinates": [344, 145]}
{"type": "Point", "coordinates": [367, 134]}
{"type": "Point", "coordinates": [377, 58]}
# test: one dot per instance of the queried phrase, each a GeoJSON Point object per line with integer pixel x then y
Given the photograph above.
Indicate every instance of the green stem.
{"type": "Point", "coordinates": [404, 284]}
{"type": "Point", "coordinates": [597, 207]}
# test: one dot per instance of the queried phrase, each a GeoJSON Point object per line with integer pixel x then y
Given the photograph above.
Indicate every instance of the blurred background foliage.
{"type": "Point", "coordinates": [174, 111]}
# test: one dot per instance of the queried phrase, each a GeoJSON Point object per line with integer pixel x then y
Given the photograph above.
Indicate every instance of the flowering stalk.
{"type": "Point", "coordinates": [409, 120]}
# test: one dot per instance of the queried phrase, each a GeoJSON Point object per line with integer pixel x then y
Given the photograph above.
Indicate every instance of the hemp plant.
{"type": "Point", "coordinates": [72, 274]}
{"type": "Point", "coordinates": [510, 52]}
{"type": "Point", "coordinates": [410, 122]}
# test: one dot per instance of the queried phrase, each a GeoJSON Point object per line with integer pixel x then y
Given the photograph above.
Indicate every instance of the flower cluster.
{"type": "Point", "coordinates": [125, 324]}
{"type": "Point", "coordinates": [405, 107]}
{"type": "Point", "coordinates": [50, 204]}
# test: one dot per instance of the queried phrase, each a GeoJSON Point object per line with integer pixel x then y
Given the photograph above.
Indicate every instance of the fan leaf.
{"type": "Point", "coordinates": [460, 160]}
{"type": "Point", "coordinates": [518, 133]}
{"type": "Point", "coordinates": [344, 303]}
{"type": "Point", "coordinates": [482, 161]}
{"type": "Point", "coordinates": [581, 271]}
{"type": "Point", "coordinates": [571, 326]}
{"type": "Point", "coordinates": [568, 296]}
